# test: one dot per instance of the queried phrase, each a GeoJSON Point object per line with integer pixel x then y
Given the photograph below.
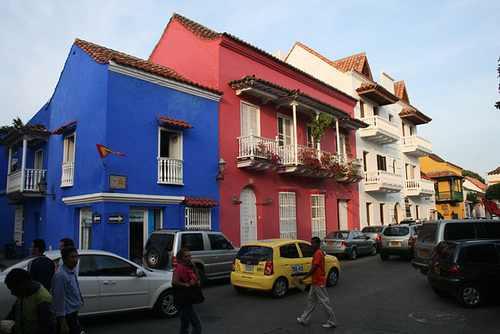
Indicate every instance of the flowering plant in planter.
{"type": "Point", "coordinates": [332, 165]}
{"type": "Point", "coordinates": [309, 159]}
{"type": "Point", "coordinates": [262, 151]}
{"type": "Point", "coordinates": [354, 170]}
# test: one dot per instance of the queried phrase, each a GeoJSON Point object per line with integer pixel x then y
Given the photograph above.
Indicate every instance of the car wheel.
{"type": "Point", "coordinates": [165, 305]}
{"type": "Point", "coordinates": [280, 288]}
{"type": "Point", "coordinates": [201, 275]}
{"type": "Point", "coordinates": [156, 258]}
{"type": "Point", "coordinates": [384, 257]}
{"type": "Point", "coordinates": [239, 289]}
{"type": "Point", "coordinates": [441, 293]}
{"type": "Point", "coordinates": [333, 277]}
{"type": "Point", "coordinates": [470, 295]}
{"type": "Point", "coordinates": [373, 251]}
{"type": "Point", "coordinates": [353, 255]}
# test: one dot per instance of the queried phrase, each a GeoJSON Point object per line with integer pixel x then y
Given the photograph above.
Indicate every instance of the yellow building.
{"type": "Point", "coordinates": [449, 191]}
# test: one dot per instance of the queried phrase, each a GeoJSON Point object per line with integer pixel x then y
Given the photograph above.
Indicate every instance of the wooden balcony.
{"type": "Point", "coordinates": [382, 181]}
{"type": "Point", "coordinates": [416, 146]}
{"type": "Point", "coordinates": [449, 196]}
{"type": "Point", "coordinates": [380, 130]}
{"type": "Point", "coordinates": [419, 188]}
{"type": "Point", "coordinates": [24, 185]}
{"type": "Point", "coordinates": [170, 171]}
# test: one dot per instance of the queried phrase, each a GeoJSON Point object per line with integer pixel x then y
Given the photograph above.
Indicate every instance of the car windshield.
{"type": "Point", "coordinates": [255, 254]}
{"type": "Point", "coordinates": [375, 229]}
{"type": "Point", "coordinates": [165, 240]}
{"type": "Point", "coordinates": [338, 235]}
{"type": "Point", "coordinates": [444, 251]}
{"type": "Point", "coordinates": [396, 231]}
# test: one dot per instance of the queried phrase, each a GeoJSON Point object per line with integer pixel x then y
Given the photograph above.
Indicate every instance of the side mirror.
{"type": "Point", "coordinates": [139, 273]}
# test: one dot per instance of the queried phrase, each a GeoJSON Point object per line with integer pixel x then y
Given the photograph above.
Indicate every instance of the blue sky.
{"type": "Point", "coordinates": [446, 51]}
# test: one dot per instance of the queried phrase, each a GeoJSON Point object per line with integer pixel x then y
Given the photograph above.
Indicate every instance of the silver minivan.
{"type": "Point", "coordinates": [433, 232]}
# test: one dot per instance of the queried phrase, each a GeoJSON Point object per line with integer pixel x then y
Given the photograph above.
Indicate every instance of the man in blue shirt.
{"type": "Point", "coordinates": [41, 268]}
{"type": "Point", "coordinates": [66, 292]}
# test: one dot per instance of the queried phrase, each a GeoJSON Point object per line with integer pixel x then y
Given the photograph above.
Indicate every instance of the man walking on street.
{"type": "Point", "coordinates": [318, 293]}
{"type": "Point", "coordinates": [66, 291]}
{"type": "Point", "coordinates": [41, 268]}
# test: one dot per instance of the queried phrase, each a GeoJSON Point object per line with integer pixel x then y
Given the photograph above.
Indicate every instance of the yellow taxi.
{"type": "Point", "coordinates": [271, 265]}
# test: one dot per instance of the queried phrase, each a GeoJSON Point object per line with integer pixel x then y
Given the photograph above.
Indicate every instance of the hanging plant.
{"type": "Point", "coordinates": [318, 125]}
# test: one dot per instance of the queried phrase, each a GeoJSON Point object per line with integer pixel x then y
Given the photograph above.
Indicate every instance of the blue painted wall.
{"type": "Point", "coordinates": [119, 112]}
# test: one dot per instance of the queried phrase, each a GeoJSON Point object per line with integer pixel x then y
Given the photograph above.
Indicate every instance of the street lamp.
{"type": "Point", "coordinates": [42, 187]}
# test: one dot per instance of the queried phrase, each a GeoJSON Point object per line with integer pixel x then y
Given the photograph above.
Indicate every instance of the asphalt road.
{"type": "Point", "coordinates": [371, 297]}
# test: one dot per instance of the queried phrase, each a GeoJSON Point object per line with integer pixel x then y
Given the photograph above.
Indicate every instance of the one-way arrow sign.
{"type": "Point", "coordinates": [116, 218]}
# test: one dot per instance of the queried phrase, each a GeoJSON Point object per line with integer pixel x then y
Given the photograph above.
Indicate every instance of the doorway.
{"type": "Point", "coordinates": [142, 222]}
{"type": "Point", "coordinates": [248, 216]}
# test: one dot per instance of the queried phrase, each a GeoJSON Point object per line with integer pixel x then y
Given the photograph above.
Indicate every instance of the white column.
{"type": "Point", "coordinates": [296, 149]}
{"type": "Point", "coordinates": [337, 133]}
{"type": "Point", "coordinates": [23, 165]}
{"type": "Point", "coordinates": [9, 167]}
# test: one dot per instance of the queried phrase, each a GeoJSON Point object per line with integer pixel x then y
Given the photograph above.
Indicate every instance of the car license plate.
{"type": "Point", "coordinates": [424, 253]}
{"type": "Point", "coordinates": [330, 243]}
{"type": "Point", "coordinates": [297, 269]}
{"type": "Point", "coordinates": [248, 267]}
{"type": "Point", "coordinates": [437, 271]}
{"type": "Point", "coordinates": [394, 243]}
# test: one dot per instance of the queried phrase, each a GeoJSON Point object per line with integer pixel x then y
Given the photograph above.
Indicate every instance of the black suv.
{"type": "Point", "coordinates": [468, 269]}
{"type": "Point", "coordinates": [211, 251]}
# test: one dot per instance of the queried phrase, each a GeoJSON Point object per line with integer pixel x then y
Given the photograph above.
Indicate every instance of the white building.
{"type": "Point", "coordinates": [393, 188]}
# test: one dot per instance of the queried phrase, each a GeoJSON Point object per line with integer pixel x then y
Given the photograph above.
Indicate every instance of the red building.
{"type": "Point", "coordinates": [278, 181]}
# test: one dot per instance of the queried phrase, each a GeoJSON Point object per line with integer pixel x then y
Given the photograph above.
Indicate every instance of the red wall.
{"type": "Point", "coordinates": [214, 63]}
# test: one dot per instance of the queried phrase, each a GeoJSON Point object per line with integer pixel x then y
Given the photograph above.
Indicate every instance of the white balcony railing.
{"type": "Point", "coordinates": [383, 181]}
{"type": "Point", "coordinates": [380, 130]}
{"type": "Point", "coordinates": [419, 187]}
{"type": "Point", "coordinates": [256, 147]}
{"type": "Point", "coordinates": [415, 145]}
{"type": "Point", "coordinates": [68, 173]}
{"type": "Point", "coordinates": [31, 177]}
{"type": "Point", "coordinates": [170, 171]}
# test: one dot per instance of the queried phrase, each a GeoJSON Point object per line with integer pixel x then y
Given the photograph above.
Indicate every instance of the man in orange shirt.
{"type": "Point", "coordinates": [318, 293]}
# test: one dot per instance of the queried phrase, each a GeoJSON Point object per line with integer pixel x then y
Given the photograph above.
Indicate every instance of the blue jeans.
{"type": "Point", "coordinates": [188, 316]}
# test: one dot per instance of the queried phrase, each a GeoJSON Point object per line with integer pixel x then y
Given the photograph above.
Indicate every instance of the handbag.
{"type": "Point", "coordinates": [184, 297]}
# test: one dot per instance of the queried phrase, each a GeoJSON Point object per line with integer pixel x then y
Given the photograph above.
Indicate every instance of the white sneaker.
{"type": "Point", "coordinates": [300, 321]}
{"type": "Point", "coordinates": [329, 325]}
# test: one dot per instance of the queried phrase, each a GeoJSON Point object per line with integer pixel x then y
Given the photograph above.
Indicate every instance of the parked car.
{"type": "Point", "coordinates": [110, 284]}
{"type": "Point", "coordinates": [211, 251]}
{"type": "Point", "coordinates": [468, 269]}
{"type": "Point", "coordinates": [433, 232]}
{"type": "Point", "coordinates": [270, 265]}
{"type": "Point", "coordinates": [374, 233]}
{"type": "Point", "coordinates": [349, 243]}
{"type": "Point", "coordinates": [398, 240]}
{"type": "Point", "coordinates": [412, 222]}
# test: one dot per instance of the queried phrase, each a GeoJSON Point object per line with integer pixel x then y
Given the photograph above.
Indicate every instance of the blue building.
{"type": "Point", "coordinates": [165, 125]}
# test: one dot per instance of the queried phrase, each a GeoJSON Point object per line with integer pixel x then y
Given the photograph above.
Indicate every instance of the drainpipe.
{"type": "Point", "coordinates": [23, 168]}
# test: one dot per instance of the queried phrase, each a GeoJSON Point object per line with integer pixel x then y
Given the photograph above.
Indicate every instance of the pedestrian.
{"type": "Point", "coordinates": [66, 292]}
{"type": "Point", "coordinates": [185, 276]}
{"type": "Point", "coordinates": [67, 242]}
{"type": "Point", "coordinates": [33, 311]}
{"type": "Point", "coordinates": [317, 293]}
{"type": "Point", "coordinates": [41, 268]}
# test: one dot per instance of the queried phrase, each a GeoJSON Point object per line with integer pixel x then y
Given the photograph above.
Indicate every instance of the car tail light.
{"type": "Point", "coordinates": [453, 272]}
{"type": "Point", "coordinates": [269, 270]}
{"type": "Point", "coordinates": [411, 241]}
{"type": "Point", "coordinates": [233, 267]}
{"type": "Point", "coordinates": [174, 262]}
{"type": "Point", "coordinates": [379, 239]}
{"type": "Point", "coordinates": [343, 244]}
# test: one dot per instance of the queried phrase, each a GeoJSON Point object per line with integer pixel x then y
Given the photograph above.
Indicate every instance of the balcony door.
{"type": "Point", "coordinates": [285, 130]}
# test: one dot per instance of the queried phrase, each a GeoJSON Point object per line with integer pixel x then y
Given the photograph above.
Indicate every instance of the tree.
{"type": "Point", "coordinates": [497, 105]}
{"type": "Point", "coordinates": [472, 174]}
{"type": "Point", "coordinates": [493, 192]}
{"type": "Point", "coordinates": [472, 197]}
{"type": "Point", "coordinates": [16, 123]}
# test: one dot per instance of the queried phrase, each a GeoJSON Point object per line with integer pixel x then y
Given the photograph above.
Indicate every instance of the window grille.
{"type": "Point", "coordinates": [199, 218]}
{"type": "Point", "coordinates": [288, 219]}
{"type": "Point", "coordinates": [318, 217]}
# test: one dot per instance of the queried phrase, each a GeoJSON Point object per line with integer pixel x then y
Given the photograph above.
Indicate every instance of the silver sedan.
{"type": "Point", "coordinates": [348, 242]}
{"type": "Point", "coordinates": [109, 284]}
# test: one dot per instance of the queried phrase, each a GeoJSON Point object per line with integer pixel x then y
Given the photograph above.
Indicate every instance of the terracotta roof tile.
{"type": "Point", "coordinates": [400, 91]}
{"type": "Point", "coordinates": [495, 171]}
{"type": "Point", "coordinates": [64, 128]}
{"type": "Point", "coordinates": [477, 183]}
{"type": "Point", "coordinates": [200, 202]}
{"type": "Point", "coordinates": [425, 176]}
{"type": "Point", "coordinates": [436, 158]}
{"type": "Point", "coordinates": [208, 34]}
{"type": "Point", "coordinates": [442, 173]}
{"type": "Point", "coordinates": [174, 122]}
{"type": "Point", "coordinates": [104, 55]}
{"type": "Point", "coordinates": [414, 116]}
{"type": "Point", "coordinates": [358, 62]}
{"type": "Point", "coordinates": [366, 86]}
